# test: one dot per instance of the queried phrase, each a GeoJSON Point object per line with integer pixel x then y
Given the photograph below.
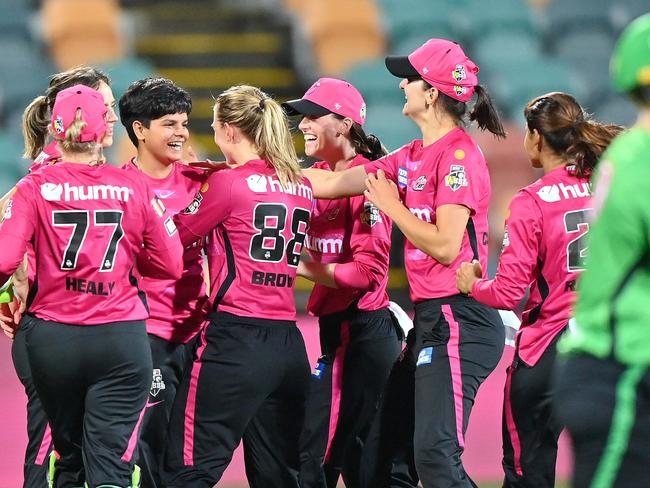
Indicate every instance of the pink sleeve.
{"type": "Point", "coordinates": [370, 245]}
{"type": "Point", "coordinates": [17, 228]}
{"type": "Point", "coordinates": [388, 163]}
{"type": "Point", "coordinates": [162, 256]}
{"type": "Point", "coordinates": [459, 178]}
{"type": "Point", "coordinates": [518, 259]}
{"type": "Point", "coordinates": [210, 207]}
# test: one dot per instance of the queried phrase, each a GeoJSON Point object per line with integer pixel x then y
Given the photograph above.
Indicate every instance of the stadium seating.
{"type": "Point", "coordinates": [616, 110]}
{"type": "Point", "coordinates": [82, 31]}
{"type": "Point", "coordinates": [375, 83]}
{"type": "Point", "coordinates": [386, 121]}
{"type": "Point", "coordinates": [342, 36]}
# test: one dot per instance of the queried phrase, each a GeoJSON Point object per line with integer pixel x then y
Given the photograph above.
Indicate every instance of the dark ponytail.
{"type": "Point", "coordinates": [485, 113]}
{"type": "Point", "coordinates": [591, 140]}
{"type": "Point", "coordinates": [569, 130]}
{"type": "Point", "coordinates": [368, 145]}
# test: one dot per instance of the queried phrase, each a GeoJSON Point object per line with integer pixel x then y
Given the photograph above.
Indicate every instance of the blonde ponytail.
{"type": "Point", "coordinates": [264, 122]}
{"type": "Point", "coordinates": [70, 143]}
{"type": "Point", "coordinates": [36, 116]}
{"type": "Point", "coordinates": [35, 122]}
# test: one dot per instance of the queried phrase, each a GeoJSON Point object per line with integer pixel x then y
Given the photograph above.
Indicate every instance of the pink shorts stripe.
{"type": "Point", "coordinates": [337, 385]}
{"type": "Point", "coordinates": [510, 425]}
{"type": "Point", "coordinates": [44, 449]}
{"type": "Point", "coordinates": [190, 405]}
{"type": "Point", "coordinates": [133, 440]}
{"type": "Point", "coordinates": [453, 353]}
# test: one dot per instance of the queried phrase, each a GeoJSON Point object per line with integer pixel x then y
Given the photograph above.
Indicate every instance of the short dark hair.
{"type": "Point", "coordinates": [150, 99]}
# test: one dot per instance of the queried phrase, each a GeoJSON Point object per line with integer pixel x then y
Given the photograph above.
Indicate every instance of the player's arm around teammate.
{"type": "Point", "coordinates": [250, 374]}
{"type": "Point", "coordinates": [43, 151]}
{"type": "Point", "coordinates": [155, 113]}
{"type": "Point", "coordinates": [544, 248]}
{"type": "Point", "coordinates": [349, 242]}
{"type": "Point", "coordinates": [444, 183]}
{"type": "Point", "coordinates": [84, 325]}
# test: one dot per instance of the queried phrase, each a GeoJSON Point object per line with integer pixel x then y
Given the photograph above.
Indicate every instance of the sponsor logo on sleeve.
{"type": "Point", "coordinates": [402, 177]}
{"type": "Point", "coordinates": [370, 215]}
{"type": "Point", "coordinates": [170, 227]}
{"type": "Point", "coordinates": [456, 177]}
{"type": "Point", "coordinates": [506, 239]}
{"type": "Point", "coordinates": [7, 213]}
{"type": "Point", "coordinates": [194, 205]}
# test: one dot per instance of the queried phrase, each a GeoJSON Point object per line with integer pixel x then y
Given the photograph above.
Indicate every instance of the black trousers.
{"type": "Point", "coordinates": [249, 379]}
{"type": "Point", "coordinates": [605, 406]}
{"type": "Point", "coordinates": [170, 362]}
{"type": "Point", "coordinates": [93, 383]}
{"type": "Point", "coordinates": [358, 350]}
{"type": "Point", "coordinates": [387, 460]}
{"type": "Point", "coordinates": [459, 343]}
{"type": "Point", "coordinates": [39, 436]}
{"type": "Point", "coordinates": [530, 427]}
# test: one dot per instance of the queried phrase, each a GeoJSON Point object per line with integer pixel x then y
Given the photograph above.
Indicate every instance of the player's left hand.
{"type": "Point", "coordinates": [467, 275]}
{"type": "Point", "coordinates": [380, 191]}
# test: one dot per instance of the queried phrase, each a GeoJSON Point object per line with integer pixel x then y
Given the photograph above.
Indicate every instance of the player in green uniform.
{"type": "Point", "coordinates": [603, 392]}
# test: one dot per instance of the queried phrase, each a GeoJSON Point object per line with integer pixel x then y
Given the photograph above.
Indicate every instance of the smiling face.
{"type": "Point", "coordinates": [111, 117]}
{"type": "Point", "coordinates": [324, 136]}
{"type": "Point", "coordinates": [164, 138]}
{"type": "Point", "coordinates": [415, 95]}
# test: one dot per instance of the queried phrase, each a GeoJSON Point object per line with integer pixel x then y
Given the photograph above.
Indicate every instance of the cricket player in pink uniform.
{"type": "Point", "coordinates": [36, 120]}
{"type": "Point", "coordinates": [84, 324]}
{"type": "Point", "coordinates": [250, 374]}
{"type": "Point", "coordinates": [349, 243]}
{"type": "Point", "coordinates": [444, 184]}
{"type": "Point", "coordinates": [544, 248]}
{"type": "Point", "coordinates": [155, 114]}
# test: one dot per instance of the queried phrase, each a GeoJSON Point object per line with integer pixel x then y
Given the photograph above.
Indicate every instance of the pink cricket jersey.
{"type": "Point", "coordinates": [452, 170]}
{"type": "Point", "coordinates": [50, 154]}
{"type": "Point", "coordinates": [176, 307]}
{"type": "Point", "coordinates": [262, 227]}
{"type": "Point", "coordinates": [354, 234]}
{"type": "Point", "coordinates": [544, 247]}
{"type": "Point", "coordinates": [87, 225]}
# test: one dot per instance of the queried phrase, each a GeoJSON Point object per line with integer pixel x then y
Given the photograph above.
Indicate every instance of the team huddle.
{"type": "Point", "coordinates": [152, 310]}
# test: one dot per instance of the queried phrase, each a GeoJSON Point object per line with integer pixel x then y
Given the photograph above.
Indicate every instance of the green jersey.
{"type": "Point", "coordinates": [613, 308]}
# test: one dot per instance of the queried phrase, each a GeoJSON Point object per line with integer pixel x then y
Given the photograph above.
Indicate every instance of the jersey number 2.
{"type": "Point", "coordinates": [575, 222]}
{"type": "Point", "coordinates": [79, 220]}
{"type": "Point", "coordinates": [269, 244]}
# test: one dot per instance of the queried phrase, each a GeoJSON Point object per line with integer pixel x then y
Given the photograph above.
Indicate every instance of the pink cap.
{"type": "Point", "coordinates": [442, 64]}
{"type": "Point", "coordinates": [329, 95]}
{"type": "Point", "coordinates": [93, 113]}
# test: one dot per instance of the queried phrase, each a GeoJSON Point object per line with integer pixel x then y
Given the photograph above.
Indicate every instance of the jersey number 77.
{"type": "Point", "coordinates": [79, 220]}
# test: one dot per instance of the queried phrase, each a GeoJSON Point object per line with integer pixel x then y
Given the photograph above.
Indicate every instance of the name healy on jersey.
{"type": "Point", "coordinates": [55, 192]}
